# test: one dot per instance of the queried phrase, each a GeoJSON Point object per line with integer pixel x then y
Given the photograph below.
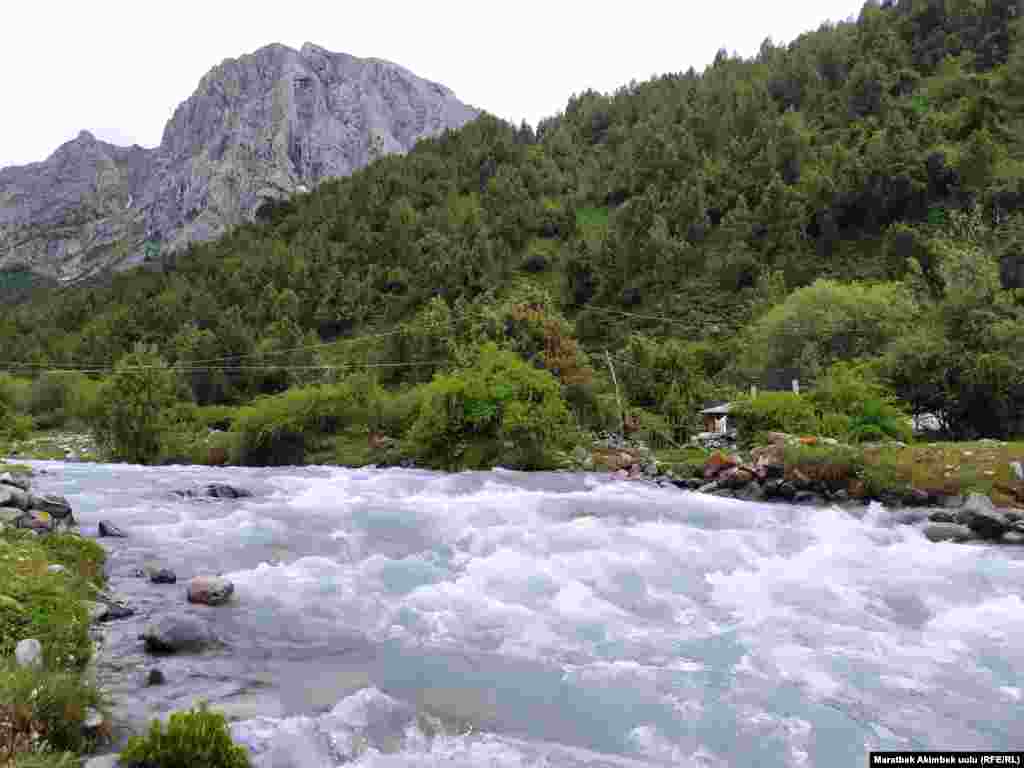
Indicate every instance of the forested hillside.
{"type": "Point", "coordinates": [856, 195]}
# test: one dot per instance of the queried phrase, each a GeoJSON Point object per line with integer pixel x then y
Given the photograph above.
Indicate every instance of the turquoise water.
{"type": "Point", "coordinates": [407, 618]}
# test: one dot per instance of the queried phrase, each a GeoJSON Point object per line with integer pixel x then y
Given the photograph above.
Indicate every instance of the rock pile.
{"type": "Point", "coordinates": [20, 508]}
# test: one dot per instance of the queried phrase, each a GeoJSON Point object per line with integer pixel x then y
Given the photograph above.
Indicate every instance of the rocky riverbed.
{"type": "Point", "coordinates": [402, 617]}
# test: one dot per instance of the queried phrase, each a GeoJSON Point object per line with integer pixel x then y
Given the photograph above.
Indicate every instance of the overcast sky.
{"type": "Point", "coordinates": [119, 69]}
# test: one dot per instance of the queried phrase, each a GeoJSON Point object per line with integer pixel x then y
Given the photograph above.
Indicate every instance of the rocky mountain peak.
{"type": "Point", "coordinates": [258, 127]}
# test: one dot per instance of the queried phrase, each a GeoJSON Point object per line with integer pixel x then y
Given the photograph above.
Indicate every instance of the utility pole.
{"type": "Point", "coordinates": [618, 397]}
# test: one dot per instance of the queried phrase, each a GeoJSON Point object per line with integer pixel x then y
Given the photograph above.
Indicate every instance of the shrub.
{"type": "Point", "coordinates": [49, 701]}
{"type": "Point", "coordinates": [877, 420]}
{"type": "Point", "coordinates": [825, 322]}
{"type": "Point", "coordinates": [133, 406]}
{"type": "Point", "coordinates": [280, 429]}
{"type": "Point", "coordinates": [191, 739]}
{"type": "Point", "coordinates": [57, 398]}
{"type": "Point", "coordinates": [499, 409]}
{"type": "Point", "coordinates": [774, 412]}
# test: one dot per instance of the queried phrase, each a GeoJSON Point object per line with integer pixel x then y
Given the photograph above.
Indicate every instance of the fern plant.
{"type": "Point", "coordinates": [194, 738]}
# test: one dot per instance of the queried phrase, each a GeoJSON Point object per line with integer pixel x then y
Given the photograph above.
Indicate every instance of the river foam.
{"type": "Point", "coordinates": [568, 618]}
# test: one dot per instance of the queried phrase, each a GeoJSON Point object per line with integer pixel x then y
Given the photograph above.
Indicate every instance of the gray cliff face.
{"type": "Point", "coordinates": [260, 127]}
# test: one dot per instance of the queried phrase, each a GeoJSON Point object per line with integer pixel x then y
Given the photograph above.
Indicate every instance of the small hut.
{"type": "Point", "coordinates": [716, 419]}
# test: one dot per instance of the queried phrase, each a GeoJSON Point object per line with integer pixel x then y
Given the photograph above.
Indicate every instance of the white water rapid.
{"type": "Point", "coordinates": [408, 618]}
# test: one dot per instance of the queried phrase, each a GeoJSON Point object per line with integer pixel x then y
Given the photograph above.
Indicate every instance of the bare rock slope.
{"type": "Point", "coordinates": [260, 127]}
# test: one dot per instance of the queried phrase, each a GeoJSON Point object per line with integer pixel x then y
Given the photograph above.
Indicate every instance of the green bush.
{"type": "Point", "coordinates": [774, 412]}
{"type": "Point", "coordinates": [135, 405]}
{"type": "Point", "coordinates": [50, 701]}
{"type": "Point", "coordinates": [281, 429]}
{"type": "Point", "coordinates": [499, 410]}
{"type": "Point", "coordinates": [191, 739]}
{"type": "Point", "coordinates": [57, 399]}
{"type": "Point", "coordinates": [877, 420]}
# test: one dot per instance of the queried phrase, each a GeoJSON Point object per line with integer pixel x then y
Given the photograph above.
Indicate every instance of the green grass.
{"type": "Point", "coordinates": [49, 701]}
{"type": "Point", "coordinates": [49, 607]}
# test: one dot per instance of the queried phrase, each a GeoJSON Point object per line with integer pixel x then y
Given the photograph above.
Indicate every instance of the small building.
{"type": "Point", "coordinates": [716, 419]}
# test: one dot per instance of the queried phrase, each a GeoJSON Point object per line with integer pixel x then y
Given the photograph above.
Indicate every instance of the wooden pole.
{"type": "Point", "coordinates": [618, 397]}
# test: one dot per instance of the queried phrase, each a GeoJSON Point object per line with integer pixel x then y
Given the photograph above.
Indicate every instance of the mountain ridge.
{"type": "Point", "coordinates": [259, 127]}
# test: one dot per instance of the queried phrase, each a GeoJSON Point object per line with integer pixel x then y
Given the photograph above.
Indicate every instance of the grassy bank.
{"type": "Point", "coordinates": [43, 708]}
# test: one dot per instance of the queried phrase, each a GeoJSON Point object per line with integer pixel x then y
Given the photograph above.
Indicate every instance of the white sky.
{"type": "Point", "coordinates": [119, 69]}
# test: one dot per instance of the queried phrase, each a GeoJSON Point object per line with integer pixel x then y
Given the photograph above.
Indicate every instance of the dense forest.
{"type": "Point", "coordinates": [848, 205]}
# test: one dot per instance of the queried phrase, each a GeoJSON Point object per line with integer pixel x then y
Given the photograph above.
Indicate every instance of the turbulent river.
{"type": "Point", "coordinates": [409, 618]}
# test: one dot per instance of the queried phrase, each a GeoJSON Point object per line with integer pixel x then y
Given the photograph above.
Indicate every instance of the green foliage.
{"type": "Point", "coordinates": [499, 408]}
{"type": "Point", "coordinates": [827, 322]}
{"type": "Point", "coordinates": [773, 412]}
{"type": "Point", "coordinates": [280, 429]}
{"type": "Point", "coordinates": [193, 738]}
{"type": "Point", "coordinates": [877, 420]}
{"type": "Point", "coordinates": [681, 208]}
{"type": "Point", "coordinates": [13, 396]}
{"type": "Point", "coordinates": [133, 406]}
{"type": "Point", "coordinates": [57, 398]}
{"type": "Point", "coordinates": [50, 701]}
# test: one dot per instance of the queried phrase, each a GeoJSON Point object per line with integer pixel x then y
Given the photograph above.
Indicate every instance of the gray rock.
{"type": "Point", "coordinates": [1017, 468]}
{"type": "Point", "coordinates": [97, 611]}
{"type": "Point", "coordinates": [947, 532]}
{"type": "Point", "coordinates": [13, 497]}
{"type": "Point", "coordinates": [210, 590]}
{"type": "Point", "coordinates": [18, 481]}
{"type": "Point", "coordinates": [808, 498]}
{"type": "Point", "coordinates": [952, 502]}
{"type": "Point", "coordinates": [943, 516]}
{"type": "Point", "coordinates": [56, 568]}
{"type": "Point", "coordinates": [155, 677]}
{"type": "Point", "coordinates": [108, 529]}
{"type": "Point", "coordinates": [103, 761]}
{"type": "Point", "coordinates": [56, 506]}
{"type": "Point", "coordinates": [708, 488]}
{"type": "Point", "coordinates": [93, 720]}
{"type": "Point", "coordinates": [29, 653]}
{"type": "Point", "coordinates": [163, 576]}
{"type": "Point", "coordinates": [223, 491]}
{"type": "Point", "coordinates": [980, 515]}
{"type": "Point", "coordinates": [175, 633]}
{"type": "Point", "coordinates": [1015, 538]}
{"type": "Point", "coordinates": [258, 128]}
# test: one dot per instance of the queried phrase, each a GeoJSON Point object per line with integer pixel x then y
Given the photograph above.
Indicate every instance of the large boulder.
{"type": "Point", "coordinates": [13, 497]}
{"type": "Point", "coordinates": [210, 590]}
{"type": "Point", "coordinates": [980, 515]}
{"type": "Point", "coordinates": [56, 506]}
{"type": "Point", "coordinates": [176, 633]}
{"type": "Point", "coordinates": [16, 481]}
